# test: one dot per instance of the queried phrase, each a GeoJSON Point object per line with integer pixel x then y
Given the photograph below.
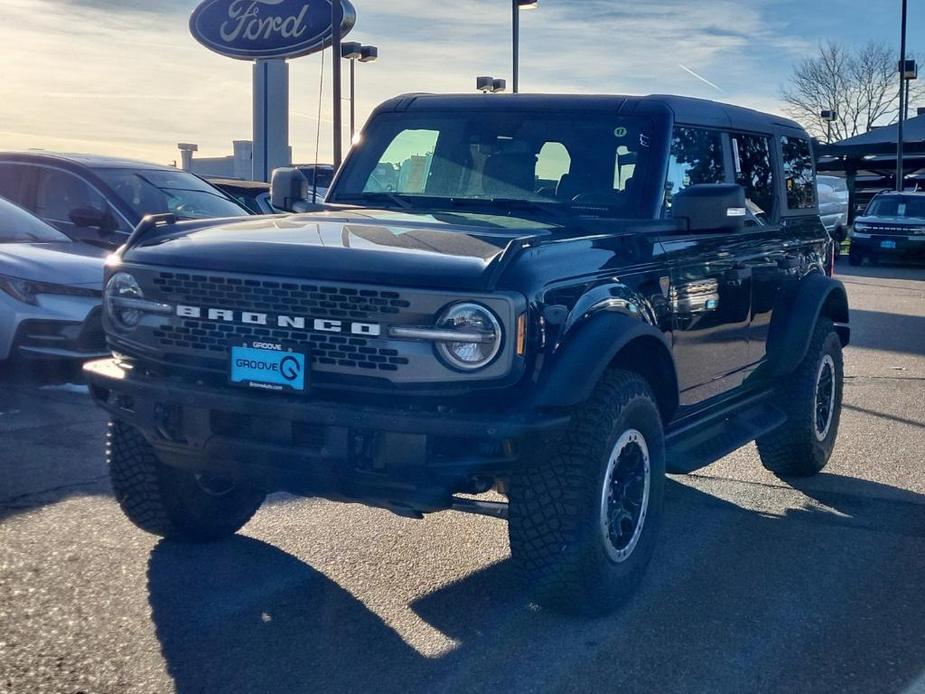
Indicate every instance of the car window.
{"type": "Point", "coordinates": [897, 206]}
{"type": "Point", "coordinates": [18, 226]}
{"type": "Point", "coordinates": [154, 191]}
{"type": "Point", "coordinates": [405, 165]}
{"type": "Point", "coordinates": [59, 193]}
{"type": "Point", "coordinates": [754, 172]}
{"type": "Point", "coordinates": [798, 173]}
{"type": "Point", "coordinates": [552, 163]}
{"type": "Point", "coordinates": [12, 182]}
{"type": "Point", "coordinates": [696, 157]}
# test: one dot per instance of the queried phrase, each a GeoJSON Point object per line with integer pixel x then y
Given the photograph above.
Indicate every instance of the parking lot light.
{"type": "Point", "coordinates": [354, 52]}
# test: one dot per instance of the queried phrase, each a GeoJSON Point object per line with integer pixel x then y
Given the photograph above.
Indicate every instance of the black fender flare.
{"type": "Point", "coordinates": [789, 339]}
{"type": "Point", "coordinates": [576, 367]}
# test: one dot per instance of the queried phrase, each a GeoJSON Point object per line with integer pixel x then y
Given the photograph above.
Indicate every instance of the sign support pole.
{"type": "Point", "coordinates": [338, 103]}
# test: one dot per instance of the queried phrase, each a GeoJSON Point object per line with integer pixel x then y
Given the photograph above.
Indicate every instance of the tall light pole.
{"type": "Point", "coordinates": [900, 142]}
{"type": "Point", "coordinates": [338, 112]}
{"type": "Point", "coordinates": [518, 5]}
{"type": "Point", "coordinates": [365, 54]}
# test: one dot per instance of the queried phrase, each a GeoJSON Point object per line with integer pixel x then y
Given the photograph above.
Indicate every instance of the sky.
{"type": "Point", "coordinates": [126, 78]}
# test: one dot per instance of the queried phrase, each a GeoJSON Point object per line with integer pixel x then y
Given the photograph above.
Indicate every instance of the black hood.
{"type": "Point", "coordinates": [372, 247]}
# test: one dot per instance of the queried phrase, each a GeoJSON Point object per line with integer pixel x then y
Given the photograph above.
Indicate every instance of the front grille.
{"type": "Point", "coordinates": [344, 326]}
{"type": "Point", "coordinates": [326, 350]}
{"type": "Point", "coordinates": [340, 353]}
{"type": "Point", "coordinates": [318, 300]}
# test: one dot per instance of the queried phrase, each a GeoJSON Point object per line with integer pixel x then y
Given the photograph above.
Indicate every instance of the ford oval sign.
{"type": "Point", "coordinates": [253, 29]}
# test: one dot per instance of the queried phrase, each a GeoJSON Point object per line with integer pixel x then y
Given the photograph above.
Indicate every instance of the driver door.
{"type": "Point", "coordinates": [59, 193]}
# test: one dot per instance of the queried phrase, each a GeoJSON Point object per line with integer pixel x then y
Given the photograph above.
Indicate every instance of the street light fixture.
{"type": "Point", "coordinates": [490, 85]}
{"type": "Point", "coordinates": [829, 116]}
{"type": "Point", "coordinates": [354, 52]}
{"type": "Point", "coordinates": [519, 5]}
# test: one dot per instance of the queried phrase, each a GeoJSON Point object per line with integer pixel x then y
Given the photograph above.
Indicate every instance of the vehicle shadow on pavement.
{"type": "Point", "coordinates": [888, 332]}
{"type": "Point", "coordinates": [823, 596]}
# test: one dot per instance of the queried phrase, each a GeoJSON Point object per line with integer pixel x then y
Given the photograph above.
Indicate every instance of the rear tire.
{"type": "Point", "coordinates": [812, 400]}
{"type": "Point", "coordinates": [584, 521]}
{"type": "Point", "coordinates": [173, 503]}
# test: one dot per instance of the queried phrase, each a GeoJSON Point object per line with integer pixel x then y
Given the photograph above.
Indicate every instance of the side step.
{"type": "Point", "coordinates": [698, 444]}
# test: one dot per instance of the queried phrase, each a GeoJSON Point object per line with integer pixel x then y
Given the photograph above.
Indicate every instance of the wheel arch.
{"type": "Point", "coordinates": [630, 344]}
{"type": "Point", "coordinates": [817, 297]}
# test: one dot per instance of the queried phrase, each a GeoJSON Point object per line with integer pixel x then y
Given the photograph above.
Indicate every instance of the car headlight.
{"type": "Point", "coordinates": [480, 336]}
{"type": "Point", "coordinates": [860, 228]}
{"type": "Point", "coordinates": [122, 293]}
{"type": "Point", "coordinates": [28, 291]}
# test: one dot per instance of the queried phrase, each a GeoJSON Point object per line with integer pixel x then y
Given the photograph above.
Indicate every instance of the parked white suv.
{"type": "Point", "coordinates": [50, 291]}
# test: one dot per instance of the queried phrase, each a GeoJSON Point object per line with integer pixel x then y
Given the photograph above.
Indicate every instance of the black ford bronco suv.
{"type": "Point", "coordinates": [554, 298]}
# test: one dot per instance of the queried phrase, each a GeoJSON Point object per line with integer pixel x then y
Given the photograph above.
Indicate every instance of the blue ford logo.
{"type": "Point", "coordinates": [253, 29]}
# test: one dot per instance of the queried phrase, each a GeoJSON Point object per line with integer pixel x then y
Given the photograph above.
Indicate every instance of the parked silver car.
{"type": "Point", "coordinates": [833, 206]}
{"type": "Point", "coordinates": [50, 291]}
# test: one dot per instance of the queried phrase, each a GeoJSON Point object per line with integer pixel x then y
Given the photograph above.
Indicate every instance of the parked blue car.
{"type": "Point", "coordinates": [99, 200]}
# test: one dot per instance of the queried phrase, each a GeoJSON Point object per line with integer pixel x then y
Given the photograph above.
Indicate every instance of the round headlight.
{"type": "Point", "coordinates": [480, 336]}
{"type": "Point", "coordinates": [121, 290]}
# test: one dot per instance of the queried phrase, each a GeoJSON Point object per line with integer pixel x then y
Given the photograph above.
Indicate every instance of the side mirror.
{"type": "Point", "coordinates": [91, 217]}
{"type": "Point", "coordinates": [711, 207]}
{"type": "Point", "coordinates": [291, 191]}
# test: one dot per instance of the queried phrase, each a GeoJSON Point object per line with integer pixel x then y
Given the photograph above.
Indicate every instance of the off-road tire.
{"type": "Point", "coordinates": [170, 502]}
{"type": "Point", "coordinates": [557, 544]}
{"type": "Point", "coordinates": [794, 449]}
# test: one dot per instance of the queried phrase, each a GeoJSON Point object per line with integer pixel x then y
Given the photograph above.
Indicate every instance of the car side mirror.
{"type": "Point", "coordinates": [91, 217]}
{"type": "Point", "coordinates": [291, 191]}
{"type": "Point", "coordinates": [711, 207]}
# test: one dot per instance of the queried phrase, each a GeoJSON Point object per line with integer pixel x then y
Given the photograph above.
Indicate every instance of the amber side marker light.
{"type": "Point", "coordinates": [521, 334]}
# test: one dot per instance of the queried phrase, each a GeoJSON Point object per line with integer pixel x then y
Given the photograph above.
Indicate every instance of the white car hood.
{"type": "Point", "coordinates": [72, 264]}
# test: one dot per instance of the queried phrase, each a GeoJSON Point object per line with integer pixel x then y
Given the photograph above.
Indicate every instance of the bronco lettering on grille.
{"type": "Point", "coordinates": [322, 325]}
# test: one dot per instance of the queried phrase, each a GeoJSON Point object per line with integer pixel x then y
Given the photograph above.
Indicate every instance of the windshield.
{"type": "Point", "coordinates": [560, 162]}
{"type": "Point", "coordinates": [18, 226]}
{"type": "Point", "coordinates": [153, 191]}
{"type": "Point", "coordinates": [897, 206]}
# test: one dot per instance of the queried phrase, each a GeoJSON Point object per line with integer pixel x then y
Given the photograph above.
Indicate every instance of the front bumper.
{"type": "Point", "coordinates": [903, 246]}
{"type": "Point", "coordinates": [60, 327]}
{"type": "Point", "coordinates": [289, 443]}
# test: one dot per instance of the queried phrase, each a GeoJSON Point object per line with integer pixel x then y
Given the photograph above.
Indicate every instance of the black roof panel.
{"type": "Point", "coordinates": [686, 110]}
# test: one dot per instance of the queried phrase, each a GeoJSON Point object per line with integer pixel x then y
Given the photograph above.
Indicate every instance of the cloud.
{"type": "Point", "coordinates": [126, 77]}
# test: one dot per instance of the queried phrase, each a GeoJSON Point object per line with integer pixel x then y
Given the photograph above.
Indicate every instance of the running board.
{"type": "Point", "coordinates": [697, 445]}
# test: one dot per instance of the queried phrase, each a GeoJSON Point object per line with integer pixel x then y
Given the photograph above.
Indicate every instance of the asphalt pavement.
{"type": "Point", "coordinates": [758, 584]}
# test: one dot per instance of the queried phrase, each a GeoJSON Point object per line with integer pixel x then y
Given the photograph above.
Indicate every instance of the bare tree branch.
{"type": "Point", "coordinates": [862, 86]}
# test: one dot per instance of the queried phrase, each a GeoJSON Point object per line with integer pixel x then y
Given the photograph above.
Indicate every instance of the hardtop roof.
{"type": "Point", "coordinates": [686, 110]}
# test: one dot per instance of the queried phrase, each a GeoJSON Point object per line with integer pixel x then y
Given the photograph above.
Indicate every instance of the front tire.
{"type": "Point", "coordinates": [812, 400]}
{"type": "Point", "coordinates": [173, 503]}
{"type": "Point", "coordinates": [584, 522]}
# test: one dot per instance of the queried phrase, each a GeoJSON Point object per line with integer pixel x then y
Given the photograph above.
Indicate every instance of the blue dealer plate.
{"type": "Point", "coordinates": [888, 244]}
{"type": "Point", "coordinates": [269, 366]}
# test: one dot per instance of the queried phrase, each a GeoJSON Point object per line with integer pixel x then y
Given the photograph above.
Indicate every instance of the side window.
{"type": "Point", "coordinates": [59, 193]}
{"type": "Point", "coordinates": [405, 165]}
{"type": "Point", "coordinates": [552, 163]}
{"type": "Point", "coordinates": [12, 182]}
{"type": "Point", "coordinates": [696, 157]}
{"type": "Point", "coordinates": [755, 173]}
{"type": "Point", "coordinates": [798, 173]}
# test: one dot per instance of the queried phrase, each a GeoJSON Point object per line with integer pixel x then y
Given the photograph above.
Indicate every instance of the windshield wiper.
{"type": "Point", "coordinates": [547, 210]}
{"type": "Point", "coordinates": [391, 197]}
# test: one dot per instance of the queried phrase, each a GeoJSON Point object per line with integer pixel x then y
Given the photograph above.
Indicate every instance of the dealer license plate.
{"type": "Point", "coordinates": [888, 244]}
{"type": "Point", "coordinates": [269, 366]}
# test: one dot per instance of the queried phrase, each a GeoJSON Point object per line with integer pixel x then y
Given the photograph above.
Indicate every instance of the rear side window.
{"type": "Point", "coordinates": [754, 172]}
{"type": "Point", "coordinates": [798, 173]}
{"type": "Point", "coordinates": [12, 182]}
{"type": "Point", "coordinates": [696, 157]}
